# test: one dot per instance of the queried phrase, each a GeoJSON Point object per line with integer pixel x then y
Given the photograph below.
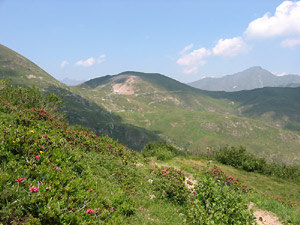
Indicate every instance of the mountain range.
{"type": "Point", "coordinates": [136, 108]}
{"type": "Point", "coordinates": [254, 77]}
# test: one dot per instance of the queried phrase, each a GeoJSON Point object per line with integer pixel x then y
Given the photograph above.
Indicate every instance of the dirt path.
{"type": "Point", "coordinates": [264, 217]}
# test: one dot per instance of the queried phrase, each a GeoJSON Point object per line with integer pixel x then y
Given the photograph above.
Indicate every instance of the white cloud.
{"type": "Point", "coordinates": [230, 47]}
{"type": "Point", "coordinates": [285, 21]}
{"type": "Point", "coordinates": [86, 63]}
{"type": "Point", "coordinates": [194, 57]}
{"type": "Point", "coordinates": [101, 58]}
{"type": "Point", "coordinates": [289, 43]}
{"type": "Point", "coordinates": [64, 63]}
{"type": "Point", "coordinates": [91, 61]}
{"type": "Point", "coordinates": [193, 60]}
{"type": "Point", "coordinates": [191, 70]}
{"type": "Point", "coordinates": [186, 48]}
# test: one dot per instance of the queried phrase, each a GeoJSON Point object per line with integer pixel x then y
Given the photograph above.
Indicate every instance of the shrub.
{"type": "Point", "coordinates": [161, 150]}
{"type": "Point", "coordinates": [241, 159]}
{"type": "Point", "coordinates": [215, 203]}
{"type": "Point", "coordinates": [171, 184]}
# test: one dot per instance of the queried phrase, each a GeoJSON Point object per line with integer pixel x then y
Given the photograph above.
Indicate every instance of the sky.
{"type": "Point", "coordinates": [183, 39]}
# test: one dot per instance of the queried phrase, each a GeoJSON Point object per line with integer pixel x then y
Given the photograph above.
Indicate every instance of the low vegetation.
{"type": "Point", "coordinates": [52, 173]}
{"type": "Point", "coordinates": [161, 150]}
{"type": "Point", "coordinates": [239, 158]}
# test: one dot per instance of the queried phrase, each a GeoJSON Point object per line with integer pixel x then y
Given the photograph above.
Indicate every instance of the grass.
{"type": "Point", "coordinates": [52, 173]}
{"type": "Point", "coordinates": [191, 119]}
{"type": "Point", "coordinates": [163, 108]}
{"type": "Point", "coordinates": [259, 184]}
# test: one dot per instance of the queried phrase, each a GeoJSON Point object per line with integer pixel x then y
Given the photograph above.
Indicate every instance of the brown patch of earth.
{"type": "Point", "coordinates": [264, 217]}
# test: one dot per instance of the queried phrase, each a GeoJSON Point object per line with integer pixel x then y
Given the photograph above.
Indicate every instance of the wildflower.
{"type": "Point", "coordinates": [89, 211]}
{"type": "Point", "coordinates": [42, 146]}
{"type": "Point", "coordinates": [45, 135]}
{"type": "Point", "coordinates": [48, 188]}
{"type": "Point", "coordinates": [112, 209]}
{"type": "Point", "coordinates": [37, 157]}
{"type": "Point", "coordinates": [90, 190]}
{"type": "Point", "coordinates": [150, 181]}
{"type": "Point", "coordinates": [57, 168]}
{"type": "Point", "coordinates": [276, 197]}
{"type": "Point", "coordinates": [32, 131]}
{"type": "Point", "coordinates": [33, 189]}
{"type": "Point", "coordinates": [20, 179]}
{"type": "Point", "coordinates": [67, 132]}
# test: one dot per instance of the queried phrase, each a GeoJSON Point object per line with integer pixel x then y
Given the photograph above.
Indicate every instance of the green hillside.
{"type": "Point", "coordinates": [279, 106]}
{"type": "Point", "coordinates": [136, 108]}
{"type": "Point", "coordinates": [52, 173]}
{"type": "Point", "coordinates": [21, 71]}
{"type": "Point", "coordinates": [190, 118]}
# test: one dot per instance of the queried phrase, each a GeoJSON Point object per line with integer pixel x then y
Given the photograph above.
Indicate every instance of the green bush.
{"type": "Point", "coordinates": [161, 150]}
{"type": "Point", "coordinates": [241, 159]}
{"type": "Point", "coordinates": [171, 184]}
{"type": "Point", "coordinates": [213, 202]}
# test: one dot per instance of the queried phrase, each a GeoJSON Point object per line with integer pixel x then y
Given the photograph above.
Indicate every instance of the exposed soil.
{"type": "Point", "coordinates": [126, 88]}
{"type": "Point", "coordinates": [264, 217]}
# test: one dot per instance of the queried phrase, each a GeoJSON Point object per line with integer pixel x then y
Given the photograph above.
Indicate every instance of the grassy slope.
{"type": "Point", "coordinates": [263, 188]}
{"type": "Point", "coordinates": [78, 110]}
{"type": "Point", "coordinates": [86, 171]}
{"type": "Point", "coordinates": [188, 117]}
{"type": "Point", "coordinates": [75, 171]}
{"type": "Point", "coordinates": [23, 72]}
{"type": "Point", "coordinates": [276, 105]}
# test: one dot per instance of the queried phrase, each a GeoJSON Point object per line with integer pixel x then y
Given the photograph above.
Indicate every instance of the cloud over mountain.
{"type": "Point", "coordinates": [285, 21]}
{"type": "Point", "coordinates": [91, 61]}
{"type": "Point", "coordinates": [230, 47]}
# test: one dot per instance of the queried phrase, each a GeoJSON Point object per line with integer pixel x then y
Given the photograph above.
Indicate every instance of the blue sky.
{"type": "Point", "coordinates": [183, 39]}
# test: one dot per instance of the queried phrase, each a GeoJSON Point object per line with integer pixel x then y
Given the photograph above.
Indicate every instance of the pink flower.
{"type": "Point", "coordinates": [42, 146]}
{"type": "Point", "coordinates": [67, 132]}
{"type": "Point", "coordinates": [89, 211]}
{"type": "Point", "coordinates": [112, 209]}
{"type": "Point", "coordinates": [33, 189]}
{"type": "Point", "coordinates": [20, 179]}
{"type": "Point", "coordinates": [45, 135]}
{"type": "Point", "coordinates": [48, 188]}
{"type": "Point", "coordinates": [90, 190]}
{"type": "Point", "coordinates": [276, 197]}
{"type": "Point", "coordinates": [37, 157]}
{"type": "Point", "coordinates": [57, 168]}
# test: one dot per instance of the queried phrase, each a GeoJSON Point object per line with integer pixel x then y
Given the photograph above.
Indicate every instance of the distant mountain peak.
{"type": "Point", "coordinates": [251, 78]}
